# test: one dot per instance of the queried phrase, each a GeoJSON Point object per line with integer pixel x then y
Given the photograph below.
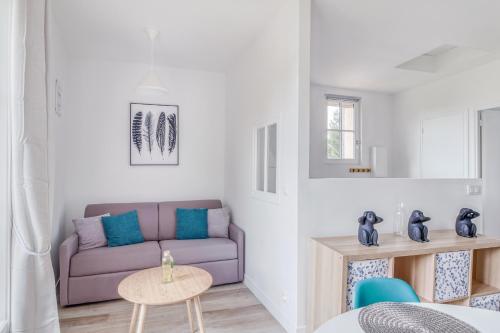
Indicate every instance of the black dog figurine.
{"type": "Point", "coordinates": [367, 235]}
{"type": "Point", "coordinates": [416, 228]}
{"type": "Point", "coordinates": [464, 226]}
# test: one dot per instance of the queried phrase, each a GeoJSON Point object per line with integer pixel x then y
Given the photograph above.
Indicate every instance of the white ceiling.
{"type": "Point", "coordinates": [357, 44]}
{"type": "Point", "coordinates": [198, 34]}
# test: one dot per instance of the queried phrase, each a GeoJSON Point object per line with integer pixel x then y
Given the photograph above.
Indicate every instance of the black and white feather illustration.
{"type": "Point", "coordinates": [148, 131]}
{"type": "Point", "coordinates": [172, 132]}
{"type": "Point", "coordinates": [160, 132]}
{"type": "Point", "coordinates": [136, 131]}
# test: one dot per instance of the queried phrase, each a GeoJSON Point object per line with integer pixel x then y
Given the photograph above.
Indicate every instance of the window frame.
{"type": "Point", "coordinates": [264, 194]}
{"type": "Point", "coordinates": [357, 130]}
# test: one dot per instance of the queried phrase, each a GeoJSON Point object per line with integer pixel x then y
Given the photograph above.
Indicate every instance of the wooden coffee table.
{"type": "Point", "coordinates": [144, 288]}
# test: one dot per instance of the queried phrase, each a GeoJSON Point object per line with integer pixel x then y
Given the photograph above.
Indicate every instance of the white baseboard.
{"type": "Point", "coordinates": [274, 309]}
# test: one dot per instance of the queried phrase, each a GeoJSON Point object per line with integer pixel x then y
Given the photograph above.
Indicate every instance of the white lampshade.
{"type": "Point", "coordinates": [151, 85]}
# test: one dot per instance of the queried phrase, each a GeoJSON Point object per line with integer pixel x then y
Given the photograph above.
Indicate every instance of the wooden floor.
{"type": "Point", "coordinates": [231, 308]}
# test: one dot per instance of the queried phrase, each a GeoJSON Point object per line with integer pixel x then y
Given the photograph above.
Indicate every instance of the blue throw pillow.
{"type": "Point", "coordinates": [122, 229]}
{"type": "Point", "coordinates": [191, 223]}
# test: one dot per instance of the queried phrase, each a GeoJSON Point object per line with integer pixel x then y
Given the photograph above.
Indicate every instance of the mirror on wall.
{"type": "Point", "coordinates": [400, 98]}
{"type": "Point", "coordinates": [364, 136]}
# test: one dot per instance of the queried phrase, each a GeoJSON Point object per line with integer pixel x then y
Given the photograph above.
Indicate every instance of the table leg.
{"type": "Point", "coordinates": [190, 315]}
{"type": "Point", "coordinates": [199, 315]}
{"type": "Point", "coordinates": [133, 321]}
{"type": "Point", "coordinates": [142, 319]}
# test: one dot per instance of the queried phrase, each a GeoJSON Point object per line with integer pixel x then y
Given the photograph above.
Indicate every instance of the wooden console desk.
{"type": "Point", "coordinates": [448, 269]}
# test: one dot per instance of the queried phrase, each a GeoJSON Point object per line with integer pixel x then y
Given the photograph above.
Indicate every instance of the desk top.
{"type": "Point", "coordinates": [391, 245]}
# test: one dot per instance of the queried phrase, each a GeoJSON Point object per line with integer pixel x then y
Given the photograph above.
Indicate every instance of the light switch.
{"type": "Point", "coordinates": [473, 189]}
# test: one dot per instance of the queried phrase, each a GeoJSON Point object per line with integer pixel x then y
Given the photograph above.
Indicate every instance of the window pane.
{"type": "Point", "coordinates": [261, 141]}
{"type": "Point", "coordinates": [333, 115]}
{"type": "Point", "coordinates": [333, 145]}
{"type": "Point", "coordinates": [271, 157]}
{"type": "Point", "coordinates": [348, 145]}
{"type": "Point", "coordinates": [348, 116]}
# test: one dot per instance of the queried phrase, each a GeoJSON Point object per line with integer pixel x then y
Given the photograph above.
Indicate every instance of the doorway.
{"type": "Point", "coordinates": [490, 169]}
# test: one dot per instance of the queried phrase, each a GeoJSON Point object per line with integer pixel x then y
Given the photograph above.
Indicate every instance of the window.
{"type": "Point", "coordinates": [342, 129]}
{"type": "Point", "coordinates": [266, 161]}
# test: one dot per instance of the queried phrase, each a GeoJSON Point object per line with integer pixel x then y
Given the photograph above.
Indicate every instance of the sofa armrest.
{"type": "Point", "coordinates": [238, 236]}
{"type": "Point", "coordinates": [67, 249]}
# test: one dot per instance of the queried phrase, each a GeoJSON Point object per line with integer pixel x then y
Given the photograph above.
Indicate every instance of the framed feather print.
{"type": "Point", "coordinates": [154, 134]}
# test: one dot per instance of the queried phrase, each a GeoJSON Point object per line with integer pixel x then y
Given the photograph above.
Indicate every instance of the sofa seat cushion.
{"type": "Point", "coordinates": [193, 251]}
{"type": "Point", "coordinates": [105, 260]}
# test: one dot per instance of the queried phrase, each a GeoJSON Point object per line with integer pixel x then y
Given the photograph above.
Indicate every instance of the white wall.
{"type": "Point", "coordinates": [330, 207]}
{"type": "Point", "coordinates": [376, 125]}
{"type": "Point", "coordinates": [459, 94]}
{"type": "Point", "coordinates": [56, 69]}
{"type": "Point", "coordinates": [262, 85]}
{"type": "Point", "coordinates": [96, 136]}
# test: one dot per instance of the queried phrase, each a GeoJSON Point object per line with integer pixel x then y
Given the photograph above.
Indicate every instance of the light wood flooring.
{"type": "Point", "coordinates": [230, 308]}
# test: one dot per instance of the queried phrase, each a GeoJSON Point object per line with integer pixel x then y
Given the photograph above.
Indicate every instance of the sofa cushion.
{"type": "Point", "coordinates": [116, 259]}
{"type": "Point", "coordinates": [122, 229]}
{"type": "Point", "coordinates": [218, 222]}
{"type": "Point", "coordinates": [191, 223]}
{"type": "Point", "coordinates": [166, 211]}
{"type": "Point", "coordinates": [147, 212]}
{"type": "Point", "coordinates": [193, 251]}
{"type": "Point", "coordinates": [90, 232]}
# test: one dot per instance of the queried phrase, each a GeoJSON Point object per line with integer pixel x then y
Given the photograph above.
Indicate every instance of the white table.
{"type": "Point", "coordinates": [483, 320]}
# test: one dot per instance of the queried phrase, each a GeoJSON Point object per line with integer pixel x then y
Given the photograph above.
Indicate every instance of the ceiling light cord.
{"type": "Point", "coordinates": [153, 34]}
{"type": "Point", "coordinates": [152, 52]}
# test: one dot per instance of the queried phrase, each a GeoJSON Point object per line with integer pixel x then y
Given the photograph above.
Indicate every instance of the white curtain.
{"type": "Point", "coordinates": [33, 297]}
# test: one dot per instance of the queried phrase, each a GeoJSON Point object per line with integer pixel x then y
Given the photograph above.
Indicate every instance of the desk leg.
{"type": "Point", "coordinates": [199, 316]}
{"type": "Point", "coordinates": [190, 315]}
{"type": "Point", "coordinates": [142, 319]}
{"type": "Point", "coordinates": [133, 321]}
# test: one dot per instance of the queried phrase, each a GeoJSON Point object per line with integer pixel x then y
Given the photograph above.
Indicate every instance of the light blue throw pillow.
{"type": "Point", "coordinates": [191, 223]}
{"type": "Point", "coordinates": [122, 229]}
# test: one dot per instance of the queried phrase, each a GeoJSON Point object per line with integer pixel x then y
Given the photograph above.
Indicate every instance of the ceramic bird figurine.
{"type": "Point", "coordinates": [464, 226]}
{"type": "Point", "coordinates": [416, 228]}
{"type": "Point", "coordinates": [367, 235]}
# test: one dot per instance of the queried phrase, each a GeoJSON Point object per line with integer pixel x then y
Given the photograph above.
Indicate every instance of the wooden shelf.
{"type": "Point", "coordinates": [424, 300]}
{"type": "Point", "coordinates": [481, 289]}
{"type": "Point", "coordinates": [462, 302]}
{"type": "Point", "coordinates": [455, 301]}
{"type": "Point", "coordinates": [396, 246]}
{"type": "Point", "coordinates": [416, 263]}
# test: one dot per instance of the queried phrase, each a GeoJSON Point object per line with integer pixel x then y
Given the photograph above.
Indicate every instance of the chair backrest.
{"type": "Point", "coordinates": [376, 290]}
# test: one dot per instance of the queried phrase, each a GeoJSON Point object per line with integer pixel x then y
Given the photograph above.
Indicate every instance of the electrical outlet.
{"type": "Point", "coordinates": [284, 296]}
{"type": "Point", "coordinates": [473, 189]}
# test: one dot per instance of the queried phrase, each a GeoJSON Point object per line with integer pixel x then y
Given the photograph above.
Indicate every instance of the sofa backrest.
{"type": "Point", "coordinates": [147, 213]}
{"type": "Point", "coordinates": [167, 214]}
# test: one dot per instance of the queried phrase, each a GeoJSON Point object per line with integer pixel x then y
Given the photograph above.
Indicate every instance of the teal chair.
{"type": "Point", "coordinates": [376, 290]}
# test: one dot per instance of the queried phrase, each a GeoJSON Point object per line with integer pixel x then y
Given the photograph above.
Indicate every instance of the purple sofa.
{"type": "Point", "coordinates": [93, 275]}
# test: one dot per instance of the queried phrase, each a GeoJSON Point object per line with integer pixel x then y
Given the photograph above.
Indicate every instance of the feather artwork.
{"type": "Point", "coordinates": [172, 132]}
{"type": "Point", "coordinates": [160, 132]}
{"type": "Point", "coordinates": [148, 131]}
{"type": "Point", "coordinates": [136, 131]}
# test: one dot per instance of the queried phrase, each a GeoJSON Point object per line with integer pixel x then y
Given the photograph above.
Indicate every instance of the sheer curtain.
{"type": "Point", "coordinates": [33, 297]}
